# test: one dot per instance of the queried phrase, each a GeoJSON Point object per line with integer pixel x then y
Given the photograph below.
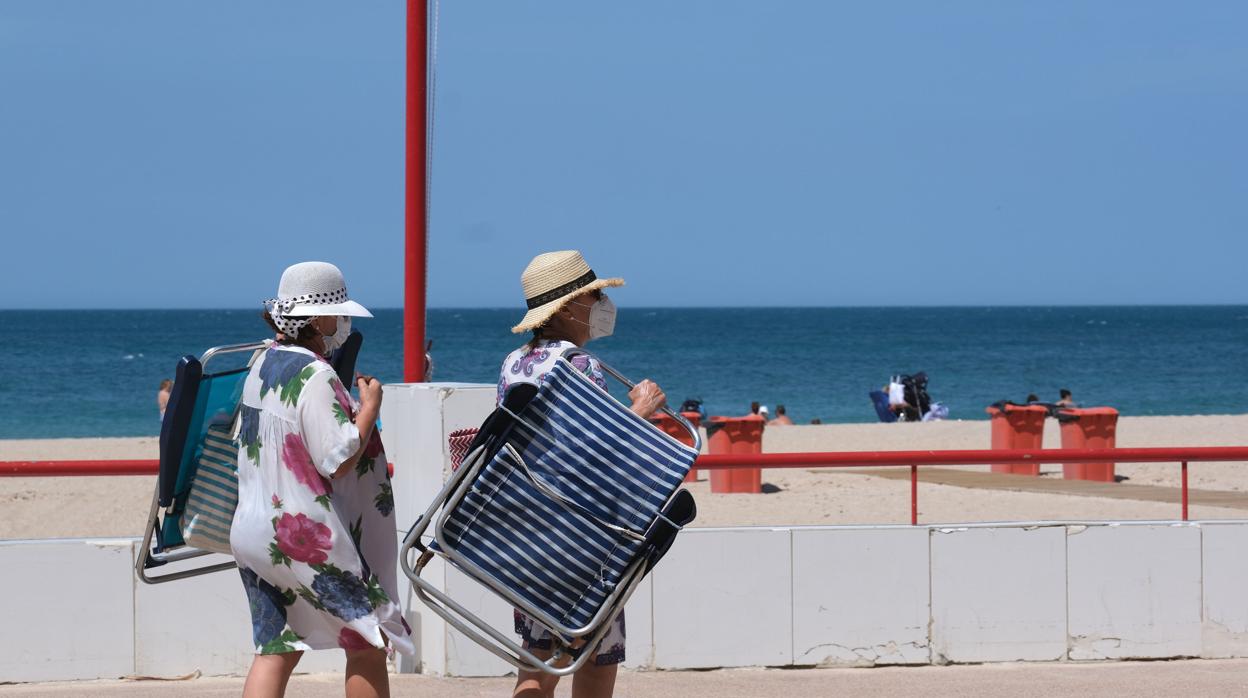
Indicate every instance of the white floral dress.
{"type": "Point", "coordinates": [317, 556]}
{"type": "Point", "coordinates": [530, 364]}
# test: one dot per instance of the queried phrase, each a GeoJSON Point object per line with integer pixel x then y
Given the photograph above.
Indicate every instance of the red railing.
{"type": "Point", "coordinates": [842, 459]}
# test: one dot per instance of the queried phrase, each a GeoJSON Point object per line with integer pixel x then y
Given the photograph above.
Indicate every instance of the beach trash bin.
{"type": "Point", "coordinates": [736, 435]}
{"type": "Point", "coordinates": [674, 429]}
{"type": "Point", "coordinates": [1017, 427]}
{"type": "Point", "coordinates": [1089, 427]}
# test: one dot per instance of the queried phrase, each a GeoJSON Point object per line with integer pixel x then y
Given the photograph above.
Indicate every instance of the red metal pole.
{"type": "Point", "coordinates": [914, 495]}
{"type": "Point", "coordinates": [46, 468]}
{"type": "Point", "coordinates": [1185, 490]}
{"type": "Point", "coordinates": [416, 212]}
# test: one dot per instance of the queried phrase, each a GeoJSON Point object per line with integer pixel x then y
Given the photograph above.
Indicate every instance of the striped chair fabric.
{"type": "Point", "coordinates": [214, 493]}
{"type": "Point", "coordinates": [593, 451]}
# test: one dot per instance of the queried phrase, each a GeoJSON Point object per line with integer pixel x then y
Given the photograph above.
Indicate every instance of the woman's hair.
{"type": "Point", "coordinates": [166, 383]}
{"type": "Point", "coordinates": [540, 330]}
{"type": "Point", "coordinates": [306, 333]}
{"type": "Point", "coordinates": [537, 336]}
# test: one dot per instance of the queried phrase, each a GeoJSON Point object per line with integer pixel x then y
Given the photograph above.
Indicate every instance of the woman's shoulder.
{"type": "Point", "coordinates": [533, 359]}
{"type": "Point", "coordinates": [282, 365]}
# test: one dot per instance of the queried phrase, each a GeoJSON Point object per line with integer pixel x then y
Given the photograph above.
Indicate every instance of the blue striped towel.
{"type": "Point", "coordinates": [214, 493]}
{"type": "Point", "coordinates": [608, 464]}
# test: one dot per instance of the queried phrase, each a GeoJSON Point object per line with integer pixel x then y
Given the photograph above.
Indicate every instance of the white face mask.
{"type": "Point", "coordinates": [601, 317]}
{"type": "Point", "coordinates": [335, 340]}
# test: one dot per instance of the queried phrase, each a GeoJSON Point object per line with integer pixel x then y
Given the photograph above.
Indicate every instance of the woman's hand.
{"type": "Point", "coordinates": [365, 419]}
{"type": "Point", "coordinates": [647, 398]}
{"type": "Point", "coordinates": [370, 390]}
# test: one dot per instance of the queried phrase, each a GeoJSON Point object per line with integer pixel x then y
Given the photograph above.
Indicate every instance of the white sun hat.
{"type": "Point", "coordinates": [551, 280]}
{"type": "Point", "coordinates": [310, 289]}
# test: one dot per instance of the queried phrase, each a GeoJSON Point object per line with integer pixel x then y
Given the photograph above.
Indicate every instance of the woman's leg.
{"type": "Point", "coordinates": [535, 684]}
{"type": "Point", "coordinates": [367, 674]}
{"type": "Point", "coordinates": [269, 674]}
{"type": "Point", "coordinates": [594, 680]}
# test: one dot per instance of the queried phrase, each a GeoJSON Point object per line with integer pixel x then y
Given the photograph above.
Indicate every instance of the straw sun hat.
{"type": "Point", "coordinates": [551, 280]}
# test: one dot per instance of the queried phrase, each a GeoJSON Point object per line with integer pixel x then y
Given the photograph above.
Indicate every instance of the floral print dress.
{"type": "Point", "coordinates": [530, 364]}
{"type": "Point", "coordinates": [317, 556]}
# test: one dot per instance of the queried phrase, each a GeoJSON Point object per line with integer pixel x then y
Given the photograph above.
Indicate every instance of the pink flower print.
{"type": "Point", "coordinates": [373, 449]}
{"type": "Point", "coordinates": [303, 539]}
{"type": "Point", "coordinates": [298, 461]}
{"type": "Point", "coordinates": [341, 395]}
{"type": "Point", "coordinates": [348, 639]}
{"type": "Point", "coordinates": [277, 502]}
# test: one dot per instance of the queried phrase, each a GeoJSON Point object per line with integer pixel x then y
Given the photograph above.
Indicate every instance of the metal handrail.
{"type": "Point", "coordinates": [833, 459]}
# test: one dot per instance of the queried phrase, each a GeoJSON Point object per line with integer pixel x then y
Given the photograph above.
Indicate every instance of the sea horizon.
{"type": "Point", "coordinates": [95, 372]}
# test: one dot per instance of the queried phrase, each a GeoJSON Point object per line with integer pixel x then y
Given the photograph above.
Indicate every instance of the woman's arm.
{"type": "Point", "coordinates": [365, 420]}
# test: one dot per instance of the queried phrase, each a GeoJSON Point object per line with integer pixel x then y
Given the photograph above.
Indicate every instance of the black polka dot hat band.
{"type": "Point", "coordinates": [308, 290]}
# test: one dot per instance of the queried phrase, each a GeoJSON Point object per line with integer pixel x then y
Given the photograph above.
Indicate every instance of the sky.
{"type": "Point", "coordinates": [714, 153]}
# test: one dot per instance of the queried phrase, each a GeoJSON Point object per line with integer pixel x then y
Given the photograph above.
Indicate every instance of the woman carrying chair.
{"type": "Point", "coordinates": [566, 309]}
{"type": "Point", "coordinates": [314, 533]}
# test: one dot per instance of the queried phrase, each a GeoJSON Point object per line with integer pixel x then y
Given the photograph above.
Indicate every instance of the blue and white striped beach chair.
{"type": "Point", "coordinates": [565, 501]}
{"type": "Point", "coordinates": [195, 434]}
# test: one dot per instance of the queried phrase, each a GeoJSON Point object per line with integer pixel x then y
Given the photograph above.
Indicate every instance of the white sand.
{"type": "Point", "coordinates": [117, 506]}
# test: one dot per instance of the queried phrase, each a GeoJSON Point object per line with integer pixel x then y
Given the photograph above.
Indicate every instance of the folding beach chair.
{"type": "Point", "coordinates": [197, 432]}
{"type": "Point", "coordinates": [565, 501]}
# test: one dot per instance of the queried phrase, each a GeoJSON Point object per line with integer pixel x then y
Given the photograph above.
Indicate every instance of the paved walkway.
{"type": "Point", "coordinates": [1226, 677]}
{"type": "Point", "coordinates": [1051, 485]}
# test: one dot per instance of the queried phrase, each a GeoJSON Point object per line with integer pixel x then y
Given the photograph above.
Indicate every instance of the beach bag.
{"type": "Point", "coordinates": [214, 493]}
{"type": "Point", "coordinates": [458, 443]}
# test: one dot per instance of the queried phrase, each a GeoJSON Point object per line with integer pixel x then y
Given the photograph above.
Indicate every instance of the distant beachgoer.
{"type": "Point", "coordinates": [816, 420]}
{"type": "Point", "coordinates": [781, 418]}
{"type": "Point", "coordinates": [314, 534]}
{"type": "Point", "coordinates": [762, 412]}
{"type": "Point", "coordinates": [896, 397]}
{"type": "Point", "coordinates": [754, 407]}
{"type": "Point", "coordinates": [694, 405]}
{"type": "Point", "coordinates": [1032, 397]}
{"type": "Point", "coordinates": [567, 308]}
{"type": "Point", "coordinates": [1067, 400]}
{"type": "Point", "coordinates": [162, 397]}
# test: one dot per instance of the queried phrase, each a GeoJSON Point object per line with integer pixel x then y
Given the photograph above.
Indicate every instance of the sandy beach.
{"type": "Point", "coordinates": [116, 506]}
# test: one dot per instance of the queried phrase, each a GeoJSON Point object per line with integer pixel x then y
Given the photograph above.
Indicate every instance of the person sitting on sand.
{"type": "Point", "coordinates": [162, 397]}
{"type": "Point", "coordinates": [781, 418]}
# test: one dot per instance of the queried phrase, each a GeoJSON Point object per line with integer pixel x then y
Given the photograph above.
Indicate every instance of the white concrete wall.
{"type": "Point", "coordinates": [723, 597]}
{"type": "Point", "coordinates": [416, 420]}
{"type": "Point", "coordinates": [998, 594]}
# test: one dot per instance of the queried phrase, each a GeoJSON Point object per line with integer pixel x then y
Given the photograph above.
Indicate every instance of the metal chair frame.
{"type": "Point", "coordinates": [149, 558]}
{"type": "Point", "coordinates": [483, 633]}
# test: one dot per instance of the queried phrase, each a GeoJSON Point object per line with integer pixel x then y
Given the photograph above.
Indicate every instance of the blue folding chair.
{"type": "Point", "coordinates": [565, 501]}
{"type": "Point", "coordinates": [202, 405]}
{"type": "Point", "coordinates": [879, 399]}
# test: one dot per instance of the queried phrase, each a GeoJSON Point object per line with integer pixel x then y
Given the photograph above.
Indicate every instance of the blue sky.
{"type": "Point", "coordinates": [180, 154]}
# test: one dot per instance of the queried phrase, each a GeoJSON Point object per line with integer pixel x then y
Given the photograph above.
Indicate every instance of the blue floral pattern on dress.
{"type": "Point", "coordinates": [268, 612]}
{"type": "Point", "coordinates": [280, 368]}
{"type": "Point", "coordinates": [342, 593]}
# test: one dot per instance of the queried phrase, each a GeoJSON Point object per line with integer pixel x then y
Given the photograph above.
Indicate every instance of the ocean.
{"type": "Point", "coordinates": [78, 373]}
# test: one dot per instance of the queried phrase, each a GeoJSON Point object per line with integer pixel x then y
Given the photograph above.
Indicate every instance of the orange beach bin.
{"type": "Point", "coordinates": [736, 435]}
{"type": "Point", "coordinates": [1017, 427]}
{"type": "Point", "coordinates": [674, 429]}
{"type": "Point", "coordinates": [1091, 427]}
